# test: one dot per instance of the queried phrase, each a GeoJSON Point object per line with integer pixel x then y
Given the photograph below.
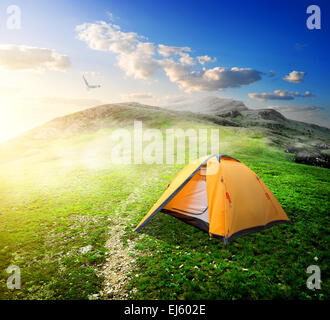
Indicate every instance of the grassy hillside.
{"type": "Point", "coordinates": [59, 193]}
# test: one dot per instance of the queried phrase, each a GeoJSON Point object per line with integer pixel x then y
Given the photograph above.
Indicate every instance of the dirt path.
{"type": "Point", "coordinates": [120, 259]}
{"type": "Point", "coordinates": [118, 265]}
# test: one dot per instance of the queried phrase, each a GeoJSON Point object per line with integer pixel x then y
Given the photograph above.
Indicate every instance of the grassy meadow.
{"type": "Point", "coordinates": [60, 195]}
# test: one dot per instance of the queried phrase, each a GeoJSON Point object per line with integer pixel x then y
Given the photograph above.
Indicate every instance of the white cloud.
{"type": "Point", "coordinates": [295, 76]}
{"type": "Point", "coordinates": [187, 60]}
{"type": "Point", "coordinates": [134, 57]}
{"type": "Point", "coordinates": [214, 79]}
{"type": "Point", "coordinates": [139, 64]}
{"type": "Point", "coordinates": [107, 37]}
{"type": "Point", "coordinates": [138, 96]}
{"type": "Point", "coordinates": [19, 57]}
{"type": "Point", "coordinates": [279, 95]}
{"type": "Point", "coordinates": [205, 59]}
{"type": "Point", "coordinates": [296, 108]}
{"type": "Point", "coordinates": [138, 59]}
{"type": "Point", "coordinates": [167, 51]}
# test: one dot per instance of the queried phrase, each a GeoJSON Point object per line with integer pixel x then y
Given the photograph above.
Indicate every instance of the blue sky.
{"type": "Point", "coordinates": [253, 36]}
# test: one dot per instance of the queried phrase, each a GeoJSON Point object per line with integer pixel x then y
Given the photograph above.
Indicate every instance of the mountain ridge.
{"type": "Point", "coordinates": [309, 143]}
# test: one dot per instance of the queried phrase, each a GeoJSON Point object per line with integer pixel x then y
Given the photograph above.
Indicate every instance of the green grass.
{"type": "Point", "coordinates": [57, 197]}
{"type": "Point", "coordinates": [180, 262]}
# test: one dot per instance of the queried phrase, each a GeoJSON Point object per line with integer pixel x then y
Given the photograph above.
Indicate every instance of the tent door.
{"type": "Point", "coordinates": [191, 204]}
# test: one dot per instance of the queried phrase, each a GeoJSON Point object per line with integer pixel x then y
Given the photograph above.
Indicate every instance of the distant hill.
{"type": "Point", "coordinates": [113, 115]}
{"type": "Point", "coordinates": [308, 143]}
{"type": "Point", "coordinates": [209, 105]}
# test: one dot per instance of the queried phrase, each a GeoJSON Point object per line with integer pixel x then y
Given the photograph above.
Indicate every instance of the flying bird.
{"type": "Point", "coordinates": [89, 86]}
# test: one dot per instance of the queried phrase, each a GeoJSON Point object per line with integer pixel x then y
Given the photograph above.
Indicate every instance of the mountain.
{"type": "Point", "coordinates": [308, 143]}
{"type": "Point", "coordinates": [113, 115]}
{"type": "Point", "coordinates": [209, 105]}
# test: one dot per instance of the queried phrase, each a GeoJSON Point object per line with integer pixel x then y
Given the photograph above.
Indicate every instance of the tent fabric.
{"type": "Point", "coordinates": [179, 181]}
{"type": "Point", "coordinates": [190, 204]}
{"type": "Point", "coordinates": [221, 196]}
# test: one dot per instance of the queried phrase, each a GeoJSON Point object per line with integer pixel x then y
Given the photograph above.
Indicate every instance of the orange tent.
{"type": "Point", "coordinates": [219, 195]}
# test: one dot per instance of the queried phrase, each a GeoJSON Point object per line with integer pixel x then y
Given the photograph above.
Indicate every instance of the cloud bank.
{"type": "Point", "coordinates": [141, 59]}
{"type": "Point", "coordinates": [19, 57]}
{"type": "Point", "coordinates": [279, 95]}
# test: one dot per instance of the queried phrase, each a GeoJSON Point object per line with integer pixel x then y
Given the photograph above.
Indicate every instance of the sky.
{"type": "Point", "coordinates": [159, 53]}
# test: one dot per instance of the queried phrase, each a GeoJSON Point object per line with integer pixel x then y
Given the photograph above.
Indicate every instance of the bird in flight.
{"type": "Point", "coordinates": [89, 86]}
